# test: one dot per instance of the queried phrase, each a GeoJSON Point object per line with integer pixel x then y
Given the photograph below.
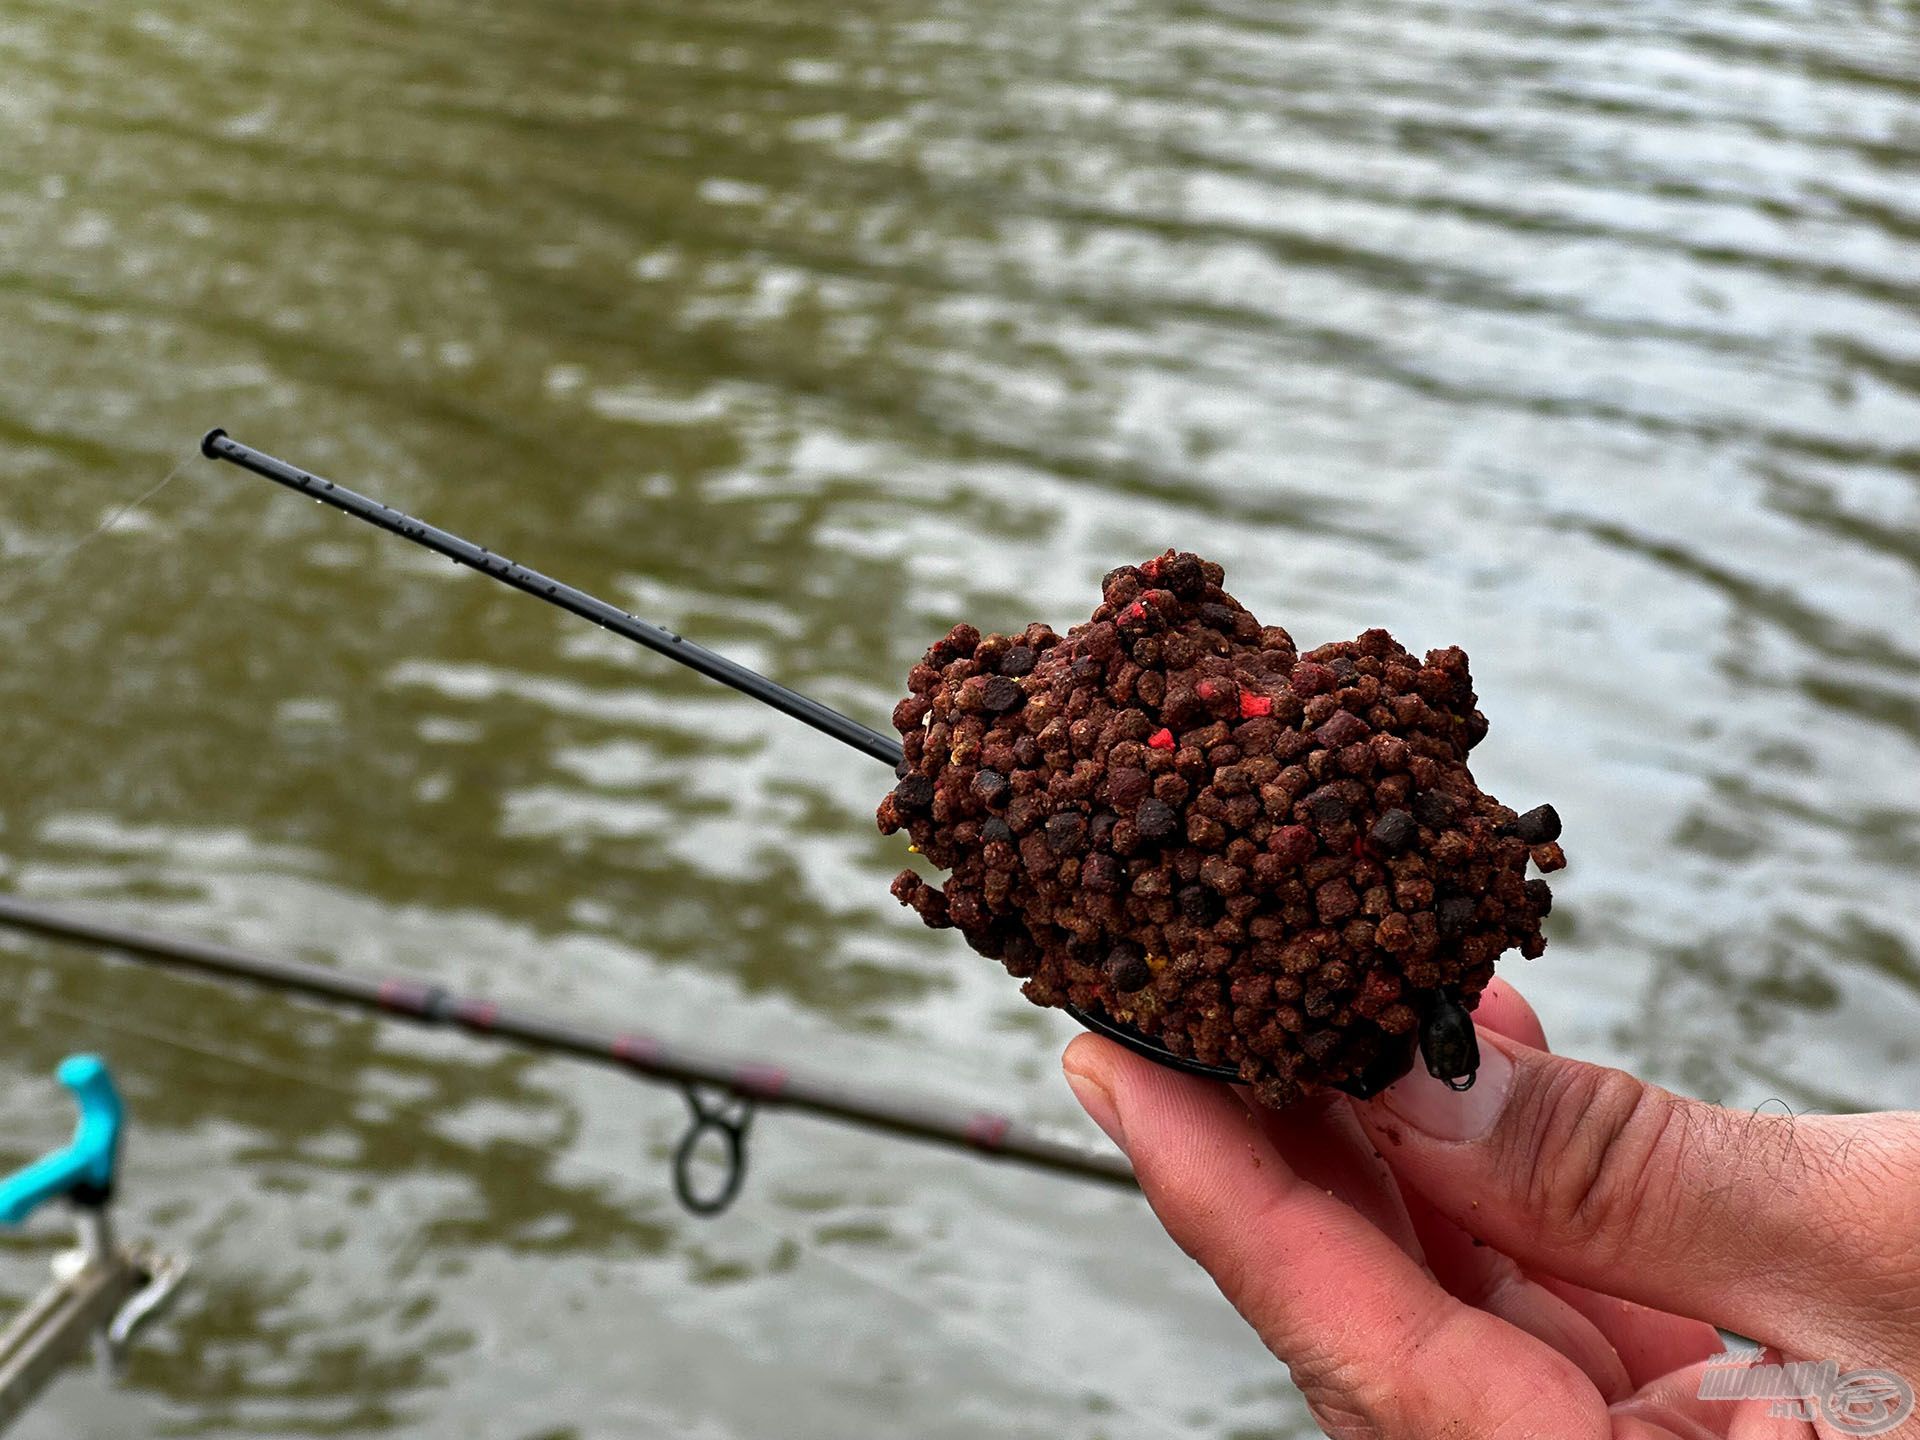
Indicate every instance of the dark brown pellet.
{"type": "Point", "coordinates": [1539, 826]}
{"type": "Point", "coordinates": [1327, 806]}
{"type": "Point", "coordinates": [1127, 968]}
{"type": "Point", "coordinates": [989, 786]}
{"type": "Point", "coordinates": [1067, 832]}
{"type": "Point", "coordinates": [1155, 818]}
{"type": "Point", "coordinates": [1393, 832]}
{"type": "Point", "coordinates": [1001, 695]}
{"type": "Point", "coordinates": [1199, 904]}
{"type": "Point", "coordinates": [1455, 915]}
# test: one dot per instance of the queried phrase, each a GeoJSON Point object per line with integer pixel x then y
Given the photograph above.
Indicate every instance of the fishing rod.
{"type": "Point", "coordinates": [218, 445]}
{"type": "Point", "coordinates": [722, 1090]}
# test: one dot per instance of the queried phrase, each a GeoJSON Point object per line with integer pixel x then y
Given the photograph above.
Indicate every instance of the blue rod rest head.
{"type": "Point", "coordinates": [83, 1169]}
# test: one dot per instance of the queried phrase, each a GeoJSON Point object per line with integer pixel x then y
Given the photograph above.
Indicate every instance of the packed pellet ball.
{"type": "Point", "coordinates": [1264, 860]}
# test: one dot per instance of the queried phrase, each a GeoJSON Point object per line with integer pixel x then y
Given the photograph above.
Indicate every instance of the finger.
{"type": "Point", "coordinates": [1649, 1343]}
{"type": "Point", "coordinates": [1478, 1275]}
{"type": "Point", "coordinates": [1764, 1223]}
{"type": "Point", "coordinates": [1320, 1139]}
{"type": "Point", "coordinates": [1374, 1344]}
{"type": "Point", "coordinates": [1754, 1420]}
{"type": "Point", "coordinates": [1673, 1404]}
{"type": "Point", "coordinates": [1505, 1011]}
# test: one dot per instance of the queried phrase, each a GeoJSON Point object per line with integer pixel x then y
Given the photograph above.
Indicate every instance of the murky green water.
{"type": "Point", "coordinates": [1585, 339]}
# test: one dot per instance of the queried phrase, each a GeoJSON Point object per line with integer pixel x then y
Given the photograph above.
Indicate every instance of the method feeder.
{"type": "Point", "coordinates": [1448, 1021]}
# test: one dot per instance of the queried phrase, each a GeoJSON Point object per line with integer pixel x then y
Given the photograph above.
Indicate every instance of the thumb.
{"type": "Point", "coordinates": [1793, 1230]}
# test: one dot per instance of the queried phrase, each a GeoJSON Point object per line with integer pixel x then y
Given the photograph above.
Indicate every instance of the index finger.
{"type": "Point", "coordinates": [1650, 1343]}
{"type": "Point", "coordinates": [1506, 1010]}
{"type": "Point", "coordinates": [1373, 1342]}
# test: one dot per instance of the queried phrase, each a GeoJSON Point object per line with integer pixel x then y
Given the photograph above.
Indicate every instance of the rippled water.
{"type": "Point", "coordinates": [1584, 338]}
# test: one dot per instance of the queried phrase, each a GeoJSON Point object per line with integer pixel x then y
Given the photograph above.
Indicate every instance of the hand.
{"type": "Point", "coordinates": [1536, 1256]}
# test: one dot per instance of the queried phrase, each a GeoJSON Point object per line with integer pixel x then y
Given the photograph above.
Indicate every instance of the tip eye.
{"type": "Point", "coordinates": [1448, 1042]}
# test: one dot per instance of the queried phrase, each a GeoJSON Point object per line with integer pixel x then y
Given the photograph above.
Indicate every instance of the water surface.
{"type": "Point", "coordinates": [1582, 338]}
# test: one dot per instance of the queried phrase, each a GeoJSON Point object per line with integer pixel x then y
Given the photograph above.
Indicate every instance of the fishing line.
{"type": "Point", "coordinates": [1025, 1362]}
{"type": "Point", "coordinates": [64, 554]}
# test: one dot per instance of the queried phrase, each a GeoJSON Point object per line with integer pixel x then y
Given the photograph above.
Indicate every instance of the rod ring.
{"type": "Point", "coordinates": [730, 1121]}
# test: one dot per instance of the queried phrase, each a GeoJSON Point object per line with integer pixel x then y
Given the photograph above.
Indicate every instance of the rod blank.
{"type": "Point", "coordinates": [868, 1107]}
{"type": "Point", "coordinates": [218, 445]}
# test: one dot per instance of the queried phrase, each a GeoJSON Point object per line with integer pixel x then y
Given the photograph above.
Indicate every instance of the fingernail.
{"type": "Point", "coordinates": [1098, 1104]}
{"type": "Point", "coordinates": [1429, 1106]}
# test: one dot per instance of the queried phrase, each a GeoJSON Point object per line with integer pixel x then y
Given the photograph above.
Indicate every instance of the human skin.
{"type": "Point", "coordinates": [1538, 1256]}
